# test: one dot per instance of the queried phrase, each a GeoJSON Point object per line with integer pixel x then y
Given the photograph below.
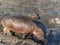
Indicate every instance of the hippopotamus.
{"type": "Point", "coordinates": [21, 25]}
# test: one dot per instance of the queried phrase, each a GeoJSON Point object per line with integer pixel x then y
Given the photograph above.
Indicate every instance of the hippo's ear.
{"type": "Point", "coordinates": [35, 16]}
{"type": "Point", "coordinates": [38, 16]}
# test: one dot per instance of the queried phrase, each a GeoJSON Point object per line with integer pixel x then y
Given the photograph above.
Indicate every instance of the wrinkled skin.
{"type": "Point", "coordinates": [21, 25]}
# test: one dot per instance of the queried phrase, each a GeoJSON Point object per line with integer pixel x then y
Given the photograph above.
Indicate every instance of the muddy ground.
{"type": "Point", "coordinates": [12, 40]}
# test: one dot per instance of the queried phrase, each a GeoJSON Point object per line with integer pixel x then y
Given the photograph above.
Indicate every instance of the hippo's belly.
{"type": "Point", "coordinates": [21, 28]}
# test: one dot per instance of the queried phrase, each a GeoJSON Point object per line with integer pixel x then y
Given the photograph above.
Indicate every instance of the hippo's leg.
{"type": "Point", "coordinates": [6, 31]}
{"type": "Point", "coordinates": [24, 36]}
{"type": "Point", "coordinates": [19, 35]}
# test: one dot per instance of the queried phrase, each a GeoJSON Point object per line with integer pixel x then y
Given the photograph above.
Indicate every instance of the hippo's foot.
{"type": "Point", "coordinates": [6, 32]}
